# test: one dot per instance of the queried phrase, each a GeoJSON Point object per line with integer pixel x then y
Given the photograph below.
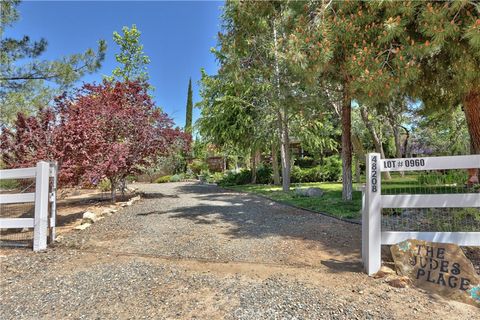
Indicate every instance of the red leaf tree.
{"type": "Point", "coordinates": [110, 130]}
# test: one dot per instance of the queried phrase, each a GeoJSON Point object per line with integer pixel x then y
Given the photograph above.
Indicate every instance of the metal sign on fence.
{"type": "Point", "coordinates": [373, 202]}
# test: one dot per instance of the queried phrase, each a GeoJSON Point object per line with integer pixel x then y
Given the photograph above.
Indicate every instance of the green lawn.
{"type": "Point", "coordinates": [331, 202]}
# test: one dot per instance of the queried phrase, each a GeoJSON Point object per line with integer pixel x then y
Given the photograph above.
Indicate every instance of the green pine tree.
{"type": "Point", "coordinates": [188, 117]}
{"type": "Point", "coordinates": [132, 59]}
{"type": "Point", "coordinates": [28, 82]}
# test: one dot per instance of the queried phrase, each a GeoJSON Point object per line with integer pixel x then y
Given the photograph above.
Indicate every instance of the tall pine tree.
{"type": "Point", "coordinates": [188, 117]}
{"type": "Point", "coordinates": [28, 81]}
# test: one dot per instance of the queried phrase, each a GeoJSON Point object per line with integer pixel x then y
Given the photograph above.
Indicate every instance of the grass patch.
{"type": "Point", "coordinates": [8, 184]}
{"type": "Point", "coordinates": [331, 202]}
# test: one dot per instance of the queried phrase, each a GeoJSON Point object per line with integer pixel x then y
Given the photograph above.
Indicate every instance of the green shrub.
{"type": "Point", "coordinates": [264, 175]}
{"type": "Point", "coordinates": [8, 184]}
{"type": "Point", "coordinates": [305, 162]}
{"type": "Point", "coordinates": [461, 219]}
{"type": "Point", "coordinates": [446, 177]}
{"type": "Point", "coordinates": [130, 178]}
{"type": "Point", "coordinates": [243, 177]}
{"type": "Point", "coordinates": [331, 169]}
{"type": "Point", "coordinates": [163, 179]}
{"type": "Point", "coordinates": [217, 177]}
{"type": "Point", "coordinates": [236, 178]}
{"type": "Point", "coordinates": [176, 178]}
{"type": "Point", "coordinates": [104, 185]}
{"type": "Point", "coordinates": [189, 174]}
{"type": "Point", "coordinates": [305, 175]}
{"type": "Point", "coordinates": [197, 166]}
{"type": "Point", "coordinates": [297, 174]}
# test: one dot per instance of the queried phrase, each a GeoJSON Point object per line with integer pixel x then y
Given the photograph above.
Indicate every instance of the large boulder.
{"type": "Point", "coordinates": [440, 268]}
{"type": "Point", "coordinates": [309, 192]}
{"type": "Point", "coordinates": [89, 217]}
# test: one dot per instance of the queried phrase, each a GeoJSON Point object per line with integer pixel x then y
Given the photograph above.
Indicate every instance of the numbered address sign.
{"type": "Point", "coordinates": [435, 163]}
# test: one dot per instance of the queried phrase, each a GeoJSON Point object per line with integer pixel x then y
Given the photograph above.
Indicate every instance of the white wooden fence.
{"type": "Point", "coordinates": [374, 201]}
{"type": "Point", "coordinates": [42, 222]}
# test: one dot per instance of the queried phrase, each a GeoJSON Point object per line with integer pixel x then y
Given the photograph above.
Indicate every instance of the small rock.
{"type": "Point", "coordinates": [90, 217]}
{"type": "Point", "coordinates": [383, 272]}
{"type": "Point", "coordinates": [83, 226]}
{"type": "Point", "coordinates": [109, 211]}
{"type": "Point", "coordinates": [399, 282]}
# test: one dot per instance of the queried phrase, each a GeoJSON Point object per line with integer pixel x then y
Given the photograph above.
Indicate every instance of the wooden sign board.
{"type": "Point", "coordinates": [440, 268]}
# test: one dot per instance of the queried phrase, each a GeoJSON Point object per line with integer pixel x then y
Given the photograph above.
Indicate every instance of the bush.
{"type": "Point", "coordinates": [305, 162]}
{"type": "Point", "coordinates": [330, 170]}
{"type": "Point", "coordinates": [306, 175]}
{"type": "Point", "coordinates": [163, 179]}
{"type": "Point", "coordinates": [189, 174]}
{"type": "Point", "coordinates": [131, 178]}
{"type": "Point", "coordinates": [236, 178]}
{"type": "Point", "coordinates": [217, 177]}
{"type": "Point", "coordinates": [176, 178]}
{"type": "Point", "coordinates": [104, 185]}
{"type": "Point", "coordinates": [264, 175]}
{"type": "Point", "coordinates": [9, 184]}
{"type": "Point", "coordinates": [297, 174]}
{"type": "Point", "coordinates": [197, 166]}
{"type": "Point", "coordinates": [448, 177]}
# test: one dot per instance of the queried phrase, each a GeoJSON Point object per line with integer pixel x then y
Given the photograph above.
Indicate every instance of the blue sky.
{"type": "Point", "coordinates": [177, 37]}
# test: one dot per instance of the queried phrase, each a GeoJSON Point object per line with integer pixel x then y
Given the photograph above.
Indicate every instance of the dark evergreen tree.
{"type": "Point", "coordinates": [188, 117]}
{"type": "Point", "coordinates": [25, 76]}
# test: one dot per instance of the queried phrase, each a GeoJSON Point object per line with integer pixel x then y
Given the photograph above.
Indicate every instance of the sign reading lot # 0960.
{"type": "Point", "coordinates": [438, 267]}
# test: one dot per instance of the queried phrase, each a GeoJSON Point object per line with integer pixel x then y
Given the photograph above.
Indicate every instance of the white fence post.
{"type": "Point", "coordinates": [371, 220]}
{"type": "Point", "coordinates": [364, 219]}
{"type": "Point", "coordinates": [53, 202]}
{"type": "Point", "coordinates": [41, 206]}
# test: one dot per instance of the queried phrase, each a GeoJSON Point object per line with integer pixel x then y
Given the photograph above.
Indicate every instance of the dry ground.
{"type": "Point", "coordinates": [189, 251]}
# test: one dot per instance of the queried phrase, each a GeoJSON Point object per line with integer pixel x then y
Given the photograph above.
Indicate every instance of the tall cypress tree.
{"type": "Point", "coordinates": [188, 117]}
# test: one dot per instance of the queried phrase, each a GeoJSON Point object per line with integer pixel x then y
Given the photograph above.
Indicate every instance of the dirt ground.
{"type": "Point", "coordinates": [190, 251]}
{"type": "Point", "coordinates": [71, 204]}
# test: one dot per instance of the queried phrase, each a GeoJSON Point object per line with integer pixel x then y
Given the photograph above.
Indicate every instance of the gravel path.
{"type": "Point", "coordinates": [193, 251]}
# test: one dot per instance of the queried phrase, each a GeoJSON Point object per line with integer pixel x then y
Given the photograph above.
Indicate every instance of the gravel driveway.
{"type": "Point", "coordinates": [193, 251]}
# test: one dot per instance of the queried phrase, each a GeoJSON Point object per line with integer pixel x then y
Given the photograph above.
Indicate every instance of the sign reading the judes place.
{"type": "Point", "coordinates": [441, 268]}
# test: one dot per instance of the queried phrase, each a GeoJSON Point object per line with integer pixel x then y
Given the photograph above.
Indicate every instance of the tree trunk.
{"type": "Point", "coordinates": [357, 169]}
{"type": "Point", "coordinates": [405, 143]}
{"type": "Point", "coordinates": [285, 152]}
{"type": "Point", "coordinates": [376, 140]}
{"type": "Point", "coordinates": [392, 119]}
{"type": "Point", "coordinates": [398, 144]}
{"type": "Point", "coordinates": [358, 153]}
{"type": "Point", "coordinates": [282, 113]}
{"type": "Point", "coordinates": [276, 172]}
{"type": "Point", "coordinates": [471, 108]}
{"type": "Point", "coordinates": [347, 189]}
{"type": "Point", "coordinates": [113, 188]}
{"type": "Point", "coordinates": [472, 115]}
{"type": "Point", "coordinates": [123, 186]}
{"type": "Point", "coordinates": [253, 167]}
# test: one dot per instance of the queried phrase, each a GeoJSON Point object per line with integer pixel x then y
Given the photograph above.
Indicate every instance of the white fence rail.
{"type": "Point", "coordinates": [40, 223]}
{"type": "Point", "coordinates": [374, 201]}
